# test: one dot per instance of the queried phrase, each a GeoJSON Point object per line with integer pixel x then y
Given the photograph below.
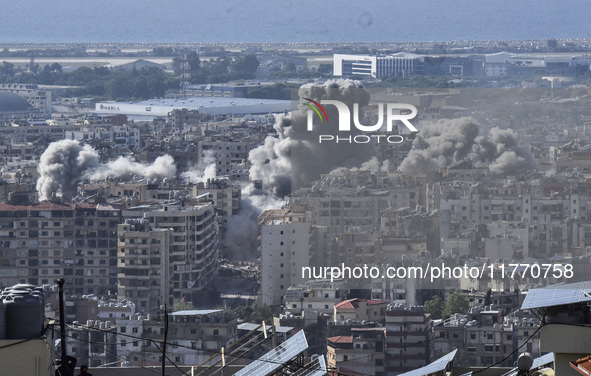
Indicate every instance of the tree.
{"type": "Point", "coordinates": [325, 68]}
{"type": "Point", "coordinates": [180, 305]}
{"type": "Point", "coordinates": [246, 66]}
{"type": "Point", "coordinates": [456, 303]}
{"type": "Point", "coordinates": [260, 313]}
{"type": "Point", "coordinates": [7, 69]}
{"type": "Point", "coordinates": [435, 307]}
{"type": "Point", "coordinates": [256, 313]}
{"type": "Point", "coordinates": [55, 67]}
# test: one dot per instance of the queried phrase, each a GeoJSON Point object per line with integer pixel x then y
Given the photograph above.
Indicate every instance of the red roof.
{"type": "Point", "coordinates": [354, 303]}
{"type": "Point", "coordinates": [375, 302]}
{"type": "Point", "coordinates": [582, 365]}
{"type": "Point", "coordinates": [340, 339]}
{"type": "Point", "coordinates": [348, 304]}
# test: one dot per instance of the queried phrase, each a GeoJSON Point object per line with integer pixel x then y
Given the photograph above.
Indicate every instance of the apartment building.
{"type": "Point", "coordinates": [193, 255]}
{"type": "Point", "coordinates": [363, 352]}
{"type": "Point", "coordinates": [285, 250]}
{"type": "Point", "coordinates": [227, 150]}
{"type": "Point", "coordinates": [40, 243]}
{"type": "Point", "coordinates": [317, 295]}
{"type": "Point", "coordinates": [193, 335]}
{"type": "Point", "coordinates": [143, 268]}
{"type": "Point", "coordinates": [408, 338]}
{"type": "Point", "coordinates": [360, 310]}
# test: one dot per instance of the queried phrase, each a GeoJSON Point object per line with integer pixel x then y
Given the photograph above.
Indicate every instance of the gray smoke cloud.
{"type": "Point", "coordinates": [240, 242]}
{"type": "Point", "coordinates": [66, 163]}
{"type": "Point", "coordinates": [449, 141]}
{"type": "Point", "coordinates": [294, 158]}
{"type": "Point", "coordinates": [62, 166]}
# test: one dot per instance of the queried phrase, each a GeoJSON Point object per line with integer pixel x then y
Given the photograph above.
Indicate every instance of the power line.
{"type": "Point", "coordinates": [510, 355]}
{"type": "Point", "coordinates": [215, 353]}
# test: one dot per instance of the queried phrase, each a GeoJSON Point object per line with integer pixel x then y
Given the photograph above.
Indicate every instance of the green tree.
{"type": "Point", "coordinates": [260, 313]}
{"type": "Point", "coordinates": [55, 67]}
{"type": "Point", "coordinates": [435, 307]}
{"type": "Point", "coordinates": [179, 305]}
{"type": "Point", "coordinates": [456, 303]}
{"type": "Point", "coordinates": [246, 66]}
{"type": "Point", "coordinates": [325, 68]}
{"type": "Point", "coordinates": [255, 313]}
{"type": "Point", "coordinates": [7, 69]}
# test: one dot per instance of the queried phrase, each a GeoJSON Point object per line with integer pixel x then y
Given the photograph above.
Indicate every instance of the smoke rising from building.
{"type": "Point", "coordinates": [205, 169]}
{"type": "Point", "coordinates": [240, 242]}
{"type": "Point", "coordinates": [62, 167]}
{"type": "Point", "coordinates": [163, 167]}
{"type": "Point", "coordinates": [450, 141]}
{"type": "Point", "coordinates": [66, 163]}
{"type": "Point", "coordinates": [295, 158]}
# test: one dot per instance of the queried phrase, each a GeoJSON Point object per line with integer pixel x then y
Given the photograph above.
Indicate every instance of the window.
{"type": "Point", "coordinates": [489, 348]}
{"type": "Point", "coordinates": [216, 332]}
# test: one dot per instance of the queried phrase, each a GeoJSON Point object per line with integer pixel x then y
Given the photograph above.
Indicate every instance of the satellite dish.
{"type": "Point", "coordinates": [525, 361]}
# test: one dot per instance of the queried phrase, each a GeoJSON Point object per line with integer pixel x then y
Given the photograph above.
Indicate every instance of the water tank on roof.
{"type": "Point", "coordinates": [24, 314]}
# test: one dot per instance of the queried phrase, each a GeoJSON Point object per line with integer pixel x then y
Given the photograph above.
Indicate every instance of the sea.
{"type": "Point", "coordinates": [275, 21]}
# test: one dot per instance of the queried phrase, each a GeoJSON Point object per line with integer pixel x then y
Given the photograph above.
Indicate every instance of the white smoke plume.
{"type": "Point", "coordinates": [450, 141]}
{"type": "Point", "coordinates": [205, 169]}
{"type": "Point", "coordinates": [66, 163]}
{"type": "Point", "coordinates": [126, 167]}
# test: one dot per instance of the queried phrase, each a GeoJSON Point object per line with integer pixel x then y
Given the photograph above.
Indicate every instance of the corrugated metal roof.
{"type": "Point", "coordinates": [436, 366]}
{"type": "Point", "coordinates": [556, 295]}
{"type": "Point", "coordinates": [250, 326]}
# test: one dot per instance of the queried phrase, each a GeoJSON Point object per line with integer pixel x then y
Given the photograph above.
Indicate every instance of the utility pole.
{"type": "Point", "coordinates": [164, 343]}
{"type": "Point", "coordinates": [68, 363]}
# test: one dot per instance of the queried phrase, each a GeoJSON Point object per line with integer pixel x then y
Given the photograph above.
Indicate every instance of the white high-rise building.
{"type": "Point", "coordinates": [285, 238]}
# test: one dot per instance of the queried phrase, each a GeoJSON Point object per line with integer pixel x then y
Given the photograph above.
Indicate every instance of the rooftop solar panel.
{"type": "Point", "coordinates": [436, 366]}
{"type": "Point", "coordinates": [274, 359]}
{"type": "Point", "coordinates": [556, 295]}
{"type": "Point", "coordinates": [317, 367]}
